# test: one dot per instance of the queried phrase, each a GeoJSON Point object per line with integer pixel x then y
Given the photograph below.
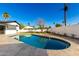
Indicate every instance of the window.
{"type": "Point", "coordinates": [2, 27]}
{"type": "Point", "coordinates": [11, 27]}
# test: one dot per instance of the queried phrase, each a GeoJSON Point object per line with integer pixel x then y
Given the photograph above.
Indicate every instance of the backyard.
{"type": "Point", "coordinates": [35, 32]}
{"type": "Point", "coordinates": [10, 46]}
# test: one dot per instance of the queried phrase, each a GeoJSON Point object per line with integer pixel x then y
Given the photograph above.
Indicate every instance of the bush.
{"type": "Point", "coordinates": [58, 25]}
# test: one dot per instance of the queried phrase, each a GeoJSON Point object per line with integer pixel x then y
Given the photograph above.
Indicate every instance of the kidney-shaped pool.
{"type": "Point", "coordinates": [43, 42]}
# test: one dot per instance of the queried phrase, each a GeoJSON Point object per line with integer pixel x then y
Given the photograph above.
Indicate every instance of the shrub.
{"type": "Point", "coordinates": [58, 25]}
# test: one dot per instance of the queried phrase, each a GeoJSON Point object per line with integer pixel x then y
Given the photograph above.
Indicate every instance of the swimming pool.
{"type": "Point", "coordinates": [44, 42]}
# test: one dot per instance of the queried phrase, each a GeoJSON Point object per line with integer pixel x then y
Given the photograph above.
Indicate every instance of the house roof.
{"type": "Point", "coordinates": [8, 22]}
{"type": "Point", "coordinates": [28, 27]}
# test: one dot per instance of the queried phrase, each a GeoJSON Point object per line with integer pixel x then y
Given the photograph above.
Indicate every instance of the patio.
{"type": "Point", "coordinates": [12, 47]}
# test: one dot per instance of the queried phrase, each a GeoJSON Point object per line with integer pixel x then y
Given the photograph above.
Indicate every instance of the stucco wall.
{"type": "Point", "coordinates": [68, 30]}
{"type": "Point", "coordinates": [38, 30]}
{"type": "Point", "coordinates": [10, 32]}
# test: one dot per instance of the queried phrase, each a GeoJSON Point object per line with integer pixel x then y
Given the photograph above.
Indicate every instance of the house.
{"type": "Point", "coordinates": [9, 27]}
{"type": "Point", "coordinates": [26, 29]}
{"type": "Point", "coordinates": [32, 29]}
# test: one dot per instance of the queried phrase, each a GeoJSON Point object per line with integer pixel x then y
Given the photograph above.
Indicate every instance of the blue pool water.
{"type": "Point", "coordinates": [44, 42]}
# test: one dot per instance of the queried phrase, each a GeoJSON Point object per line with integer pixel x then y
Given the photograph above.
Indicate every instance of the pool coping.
{"type": "Point", "coordinates": [73, 49]}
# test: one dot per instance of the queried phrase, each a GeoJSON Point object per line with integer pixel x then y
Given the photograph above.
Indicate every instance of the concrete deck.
{"type": "Point", "coordinates": [73, 50]}
{"type": "Point", "coordinates": [13, 47]}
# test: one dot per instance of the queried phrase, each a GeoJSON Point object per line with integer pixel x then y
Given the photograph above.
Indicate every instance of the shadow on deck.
{"type": "Point", "coordinates": [21, 49]}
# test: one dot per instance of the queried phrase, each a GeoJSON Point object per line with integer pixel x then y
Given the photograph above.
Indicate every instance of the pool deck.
{"type": "Point", "coordinates": [12, 47]}
{"type": "Point", "coordinates": [73, 50]}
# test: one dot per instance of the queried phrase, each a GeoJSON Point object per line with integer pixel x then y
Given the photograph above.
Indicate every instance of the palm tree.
{"type": "Point", "coordinates": [65, 13]}
{"type": "Point", "coordinates": [53, 22]}
{"type": "Point", "coordinates": [48, 28]}
{"type": "Point", "coordinates": [6, 15]}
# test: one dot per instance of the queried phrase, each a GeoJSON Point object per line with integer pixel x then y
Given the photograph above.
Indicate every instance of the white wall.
{"type": "Point", "coordinates": [10, 32]}
{"type": "Point", "coordinates": [14, 23]}
{"type": "Point", "coordinates": [38, 30]}
{"type": "Point", "coordinates": [69, 30]}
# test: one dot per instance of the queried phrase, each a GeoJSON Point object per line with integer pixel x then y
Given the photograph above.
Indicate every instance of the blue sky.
{"type": "Point", "coordinates": [49, 12]}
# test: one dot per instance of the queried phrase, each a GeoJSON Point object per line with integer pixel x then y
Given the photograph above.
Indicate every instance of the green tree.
{"type": "Point", "coordinates": [58, 25]}
{"type": "Point", "coordinates": [6, 16]}
{"type": "Point", "coordinates": [22, 26]}
{"type": "Point", "coordinates": [48, 28]}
